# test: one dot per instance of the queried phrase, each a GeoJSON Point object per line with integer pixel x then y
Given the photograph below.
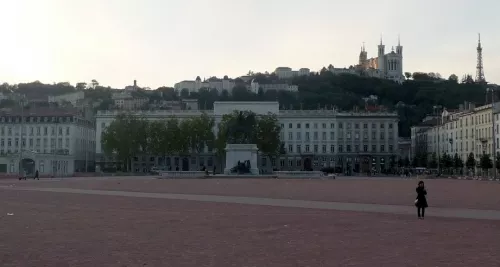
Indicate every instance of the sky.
{"type": "Point", "coordinates": [161, 42]}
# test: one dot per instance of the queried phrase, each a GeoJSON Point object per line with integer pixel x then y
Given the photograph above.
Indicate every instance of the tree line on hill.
{"type": "Point", "coordinates": [413, 99]}
{"type": "Point", "coordinates": [128, 136]}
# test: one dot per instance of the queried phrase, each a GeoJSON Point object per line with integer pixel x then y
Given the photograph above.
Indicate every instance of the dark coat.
{"type": "Point", "coordinates": [421, 199]}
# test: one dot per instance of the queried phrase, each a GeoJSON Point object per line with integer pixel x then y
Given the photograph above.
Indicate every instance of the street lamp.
{"type": "Point", "coordinates": [494, 150]}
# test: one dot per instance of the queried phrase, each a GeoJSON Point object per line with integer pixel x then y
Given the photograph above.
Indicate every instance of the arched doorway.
{"type": "Point", "coordinates": [185, 164]}
{"type": "Point", "coordinates": [307, 164]}
{"type": "Point", "coordinates": [28, 166]}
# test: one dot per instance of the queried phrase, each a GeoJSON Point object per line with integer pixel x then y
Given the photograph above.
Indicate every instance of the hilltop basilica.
{"type": "Point", "coordinates": [388, 66]}
{"type": "Point", "coordinates": [384, 66]}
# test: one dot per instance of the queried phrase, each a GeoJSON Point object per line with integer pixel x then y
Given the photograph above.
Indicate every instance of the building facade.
{"type": "Point", "coordinates": [255, 86]}
{"type": "Point", "coordinates": [287, 73]}
{"type": "Point", "coordinates": [54, 142]}
{"type": "Point", "coordinates": [386, 66]}
{"type": "Point", "coordinates": [357, 142]}
{"type": "Point", "coordinates": [74, 98]}
{"type": "Point", "coordinates": [467, 130]}
{"type": "Point", "coordinates": [212, 83]}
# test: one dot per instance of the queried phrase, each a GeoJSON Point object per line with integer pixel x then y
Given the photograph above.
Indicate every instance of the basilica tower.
{"type": "Point", "coordinates": [381, 57]}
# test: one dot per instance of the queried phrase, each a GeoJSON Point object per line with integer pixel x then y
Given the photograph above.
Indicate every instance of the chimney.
{"type": "Point", "coordinates": [135, 83]}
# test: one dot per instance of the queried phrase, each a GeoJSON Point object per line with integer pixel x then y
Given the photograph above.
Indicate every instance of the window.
{"type": "Point", "coordinates": [340, 126]}
{"type": "Point", "coordinates": [356, 148]}
{"type": "Point", "coordinates": [299, 136]}
{"type": "Point", "coordinates": [374, 135]}
{"type": "Point", "coordinates": [332, 135]}
{"type": "Point", "coordinates": [365, 148]}
{"type": "Point", "coordinates": [315, 148]}
{"type": "Point", "coordinates": [290, 126]}
{"type": "Point", "coordinates": [356, 126]}
{"type": "Point", "coordinates": [290, 136]}
{"type": "Point", "coordinates": [365, 136]}
{"type": "Point", "coordinates": [273, 162]}
{"type": "Point", "coordinates": [324, 125]}
{"type": "Point", "coordinates": [348, 148]}
{"type": "Point", "coordinates": [307, 136]}
{"type": "Point", "coordinates": [324, 136]}
{"type": "Point", "coordinates": [356, 136]}
{"type": "Point", "coordinates": [67, 130]}
{"type": "Point", "coordinates": [290, 163]}
{"type": "Point", "coordinates": [382, 136]}
{"type": "Point", "coordinates": [298, 125]}
{"type": "Point", "coordinates": [264, 162]}
{"type": "Point", "coordinates": [315, 126]}
{"type": "Point", "coordinates": [382, 126]}
{"type": "Point", "coordinates": [290, 148]}
{"type": "Point", "coordinates": [332, 125]}
{"type": "Point", "coordinates": [365, 126]}
{"type": "Point", "coordinates": [299, 150]}
{"type": "Point", "coordinates": [315, 136]}
{"type": "Point", "coordinates": [341, 148]}
{"type": "Point", "coordinates": [374, 148]}
{"type": "Point", "coordinates": [348, 136]}
{"type": "Point", "coordinates": [299, 163]}
{"type": "Point", "coordinates": [332, 148]}
{"type": "Point", "coordinates": [307, 125]}
{"type": "Point", "coordinates": [307, 148]}
{"type": "Point", "coordinates": [390, 148]}
{"type": "Point", "coordinates": [374, 126]}
{"type": "Point", "coordinates": [390, 126]}
{"type": "Point", "coordinates": [382, 148]}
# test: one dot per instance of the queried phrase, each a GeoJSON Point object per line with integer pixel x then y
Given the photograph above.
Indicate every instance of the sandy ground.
{"type": "Point", "coordinates": [69, 229]}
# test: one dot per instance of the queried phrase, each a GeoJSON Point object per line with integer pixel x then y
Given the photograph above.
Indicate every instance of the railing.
{"type": "Point", "coordinates": [182, 174]}
{"type": "Point", "coordinates": [298, 174]}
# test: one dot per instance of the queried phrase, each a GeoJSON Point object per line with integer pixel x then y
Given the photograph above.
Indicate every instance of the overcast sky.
{"type": "Point", "coordinates": [161, 42]}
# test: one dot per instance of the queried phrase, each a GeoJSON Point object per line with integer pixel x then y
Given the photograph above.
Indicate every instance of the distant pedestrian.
{"type": "Point", "coordinates": [421, 200]}
{"type": "Point", "coordinates": [214, 170]}
{"type": "Point", "coordinates": [36, 175]}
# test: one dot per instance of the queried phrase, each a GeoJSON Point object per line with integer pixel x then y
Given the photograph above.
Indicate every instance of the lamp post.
{"type": "Point", "coordinates": [493, 132]}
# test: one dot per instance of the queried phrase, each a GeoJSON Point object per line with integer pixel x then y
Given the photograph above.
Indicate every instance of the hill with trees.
{"type": "Point", "coordinates": [413, 99]}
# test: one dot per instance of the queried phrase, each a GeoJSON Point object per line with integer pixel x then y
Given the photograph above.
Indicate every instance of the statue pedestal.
{"type": "Point", "coordinates": [241, 153]}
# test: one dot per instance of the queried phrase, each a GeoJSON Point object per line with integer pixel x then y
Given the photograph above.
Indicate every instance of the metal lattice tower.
{"type": "Point", "coordinates": [479, 68]}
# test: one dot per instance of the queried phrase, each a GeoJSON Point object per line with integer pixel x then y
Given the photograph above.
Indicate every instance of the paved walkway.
{"type": "Point", "coordinates": [359, 207]}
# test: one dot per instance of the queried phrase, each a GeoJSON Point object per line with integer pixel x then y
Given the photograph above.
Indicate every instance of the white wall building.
{"type": "Point", "coordinates": [255, 86]}
{"type": "Point", "coordinates": [467, 130]}
{"type": "Point", "coordinates": [313, 138]}
{"type": "Point", "coordinates": [286, 72]}
{"type": "Point", "coordinates": [72, 98]}
{"type": "Point", "coordinates": [212, 83]}
{"type": "Point", "coordinates": [55, 142]}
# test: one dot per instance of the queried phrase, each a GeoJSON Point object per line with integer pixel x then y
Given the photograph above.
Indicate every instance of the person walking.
{"type": "Point", "coordinates": [421, 200]}
{"type": "Point", "coordinates": [36, 175]}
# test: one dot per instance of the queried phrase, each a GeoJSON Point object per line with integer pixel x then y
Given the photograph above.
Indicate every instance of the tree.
{"type": "Point", "coordinates": [81, 86]}
{"type": "Point", "coordinates": [458, 163]}
{"type": "Point", "coordinates": [120, 138]}
{"type": "Point", "coordinates": [408, 75]}
{"type": "Point", "coordinates": [485, 162]}
{"type": "Point", "coordinates": [453, 78]}
{"type": "Point", "coordinates": [267, 135]}
{"type": "Point", "coordinates": [497, 161]}
{"type": "Point", "coordinates": [95, 84]}
{"type": "Point", "coordinates": [433, 164]}
{"type": "Point", "coordinates": [471, 162]}
{"type": "Point", "coordinates": [446, 161]}
{"type": "Point", "coordinates": [201, 133]}
{"type": "Point", "coordinates": [406, 162]}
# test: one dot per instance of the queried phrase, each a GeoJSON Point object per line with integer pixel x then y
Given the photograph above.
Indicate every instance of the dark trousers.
{"type": "Point", "coordinates": [423, 212]}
